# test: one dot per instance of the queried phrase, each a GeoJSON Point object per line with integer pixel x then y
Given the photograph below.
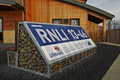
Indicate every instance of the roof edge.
{"type": "Point", "coordinates": [13, 3]}
{"type": "Point", "coordinates": [7, 2]}
{"type": "Point", "coordinates": [89, 7]}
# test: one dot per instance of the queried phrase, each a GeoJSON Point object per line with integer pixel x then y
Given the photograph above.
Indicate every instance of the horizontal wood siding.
{"type": "Point", "coordinates": [9, 17]}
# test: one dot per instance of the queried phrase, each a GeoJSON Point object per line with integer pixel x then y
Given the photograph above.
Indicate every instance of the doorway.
{"type": "Point", "coordinates": [1, 30]}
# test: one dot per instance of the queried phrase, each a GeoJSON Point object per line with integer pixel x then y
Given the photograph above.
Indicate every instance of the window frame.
{"type": "Point", "coordinates": [75, 19]}
{"type": "Point", "coordinates": [57, 19]}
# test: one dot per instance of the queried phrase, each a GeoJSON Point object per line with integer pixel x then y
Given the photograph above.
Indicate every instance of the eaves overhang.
{"type": "Point", "coordinates": [91, 8]}
{"type": "Point", "coordinates": [11, 4]}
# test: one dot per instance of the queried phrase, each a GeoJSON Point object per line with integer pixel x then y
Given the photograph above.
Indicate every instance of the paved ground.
{"type": "Point", "coordinates": [114, 71]}
{"type": "Point", "coordinates": [91, 68]}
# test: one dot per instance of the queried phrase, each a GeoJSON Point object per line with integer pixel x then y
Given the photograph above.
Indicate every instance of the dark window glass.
{"type": "Point", "coordinates": [55, 21]}
{"type": "Point", "coordinates": [65, 21]}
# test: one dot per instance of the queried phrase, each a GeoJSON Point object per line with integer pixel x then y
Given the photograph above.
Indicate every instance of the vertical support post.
{"type": "Point", "coordinates": [16, 34]}
{"type": "Point", "coordinates": [49, 70]}
{"type": "Point", "coordinates": [8, 57]}
{"type": "Point", "coordinates": [16, 59]}
{"type": "Point", "coordinates": [104, 30]}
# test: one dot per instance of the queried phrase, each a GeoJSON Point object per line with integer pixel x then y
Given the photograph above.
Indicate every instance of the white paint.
{"type": "Point", "coordinates": [36, 25]}
{"type": "Point", "coordinates": [53, 34]}
{"type": "Point", "coordinates": [42, 36]}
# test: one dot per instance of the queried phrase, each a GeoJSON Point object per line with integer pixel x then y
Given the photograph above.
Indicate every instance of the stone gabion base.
{"type": "Point", "coordinates": [85, 54]}
{"type": "Point", "coordinates": [93, 50]}
{"type": "Point", "coordinates": [59, 66]}
{"type": "Point", "coordinates": [75, 58]}
{"type": "Point", "coordinates": [12, 59]}
{"type": "Point", "coordinates": [72, 60]}
{"type": "Point", "coordinates": [29, 56]}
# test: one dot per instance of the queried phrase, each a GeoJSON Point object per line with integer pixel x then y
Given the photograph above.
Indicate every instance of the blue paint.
{"type": "Point", "coordinates": [47, 34]}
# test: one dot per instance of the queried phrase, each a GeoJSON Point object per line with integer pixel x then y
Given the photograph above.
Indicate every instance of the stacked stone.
{"type": "Point", "coordinates": [12, 59]}
{"type": "Point", "coordinates": [75, 58]}
{"type": "Point", "coordinates": [29, 56]}
{"type": "Point", "coordinates": [72, 60]}
{"type": "Point", "coordinates": [59, 66]}
{"type": "Point", "coordinates": [89, 53]}
{"type": "Point", "coordinates": [86, 53]}
{"type": "Point", "coordinates": [93, 50]}
{"type": "Point", "coordinates": [83, 54]}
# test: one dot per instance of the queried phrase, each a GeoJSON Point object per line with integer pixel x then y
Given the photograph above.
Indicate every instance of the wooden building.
{"type": "Point", "coordinates": [10, 11]}
{"type": "Point", "coordinates": [68, 12]}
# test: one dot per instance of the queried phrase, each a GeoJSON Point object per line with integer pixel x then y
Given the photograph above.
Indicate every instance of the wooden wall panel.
{"type": "Point", "coordinates": [47, 10]}
{"type": "Point", "coordinates": [95, 31]}
{"type": "Point", "coordinates": [9, 17]}
{"type": "Point", "coordinates": [62, 10]}
{"type": "Point", "coordinates": [28, 10]}
{"type": "Point", "coordinates": [113, 36]}
{"type": "Point", "coordinates": [38, 10]}
{"type": "Point", "coordinates": [104, 22]}
{"type": "Point", "coordinates": [56, 12]}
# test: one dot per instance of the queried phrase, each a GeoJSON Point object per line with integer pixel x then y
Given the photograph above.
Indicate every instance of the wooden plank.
{"type": "Point", "coordinates": [94, 31]}
{"type": "Point", "coordinates": [9, 17]}
{"type": "Point", "coordinates": [16, 38]}
{"type": "Point", "coordinates": [16, 34]}
{"type": "Point", "coordinates": [96, 15]}
{"type": "Point", "coordinates": [104, 29]}
{"type": "Point", "coordinates": [28, 10]}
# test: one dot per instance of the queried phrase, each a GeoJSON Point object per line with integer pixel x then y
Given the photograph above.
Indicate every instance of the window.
{"type": "Point", "coordinates": [65, 21]}
{"type": "Point", "coordinates": [75, 22]}
{"type": "Point", "coordinates": [57, 21]}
